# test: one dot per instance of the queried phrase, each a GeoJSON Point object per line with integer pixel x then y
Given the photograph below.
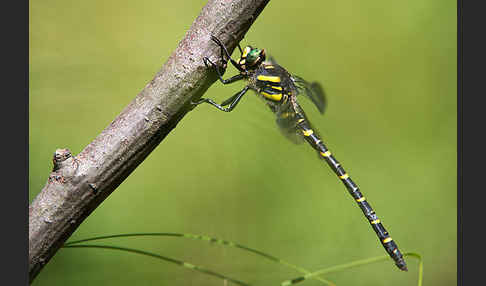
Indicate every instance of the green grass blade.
{"type": "Point", "coordinates": [124, 235]}
{"type": "Point", "coordinates": [168, 259]}
{"type": "Point", "coordinates": [210, 240]}
{"type": "Point", "coordinates": [341, 267]}
{"type": "Point", "coordinates": [421, 265]}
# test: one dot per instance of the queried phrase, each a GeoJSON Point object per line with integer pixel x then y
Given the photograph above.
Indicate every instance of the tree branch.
{"type": "Point", "coordinates": [77, 185]}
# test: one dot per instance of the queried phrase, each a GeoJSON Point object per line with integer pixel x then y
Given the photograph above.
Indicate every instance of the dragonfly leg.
{"type": "Point", "coordinates": [229, 100]}
{"type": "Point", "coordinates": [224, 51]}
{"type": "Point", "coordinates": [232, 101]}
{"type": "Point", "coordinates": [224, 81]}
{"type": "Point", "coordinates": [239, 48]}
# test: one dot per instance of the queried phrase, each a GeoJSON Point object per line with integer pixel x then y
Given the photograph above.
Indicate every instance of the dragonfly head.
{"type": "Point", "coordinates": [251, 58]}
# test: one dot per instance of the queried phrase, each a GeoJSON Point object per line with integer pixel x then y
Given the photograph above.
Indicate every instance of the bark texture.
{"type": "Point", "coordinates": [78, 184]}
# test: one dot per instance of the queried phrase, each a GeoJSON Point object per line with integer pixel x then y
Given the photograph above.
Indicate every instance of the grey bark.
{"type": "Point", "coordinates": [78, 184]}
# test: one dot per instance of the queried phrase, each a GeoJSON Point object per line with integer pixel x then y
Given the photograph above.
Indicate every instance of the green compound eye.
{"type": "Point", "coordinates": [253, 56]}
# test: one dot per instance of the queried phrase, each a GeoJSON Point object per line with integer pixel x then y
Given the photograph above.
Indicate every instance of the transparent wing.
{"type": "Point", "coordinates": [298, 110]}
{"type": "Point", "coordinates": [288, 115]}
{"type": "Point", "coordinates": [271, 60]}
{"type": "Point", "coordinates": [287, 122]}
{"type": "Point", "coordinates": [313, 91]}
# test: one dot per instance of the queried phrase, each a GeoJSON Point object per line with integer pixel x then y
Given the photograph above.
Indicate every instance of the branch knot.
{"type": "Point", "coordinates": [59, 157]}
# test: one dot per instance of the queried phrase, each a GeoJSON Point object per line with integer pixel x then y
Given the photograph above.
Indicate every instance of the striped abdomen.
{"type": "Point", "coordinates": [384, 237]}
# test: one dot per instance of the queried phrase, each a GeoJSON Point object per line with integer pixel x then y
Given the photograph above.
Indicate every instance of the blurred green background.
{"type": "Point", "coordinates": [389, 71]}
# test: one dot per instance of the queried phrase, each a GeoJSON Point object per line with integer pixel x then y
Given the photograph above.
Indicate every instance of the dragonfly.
{"type": "Point", "coordinates": [279, 89]}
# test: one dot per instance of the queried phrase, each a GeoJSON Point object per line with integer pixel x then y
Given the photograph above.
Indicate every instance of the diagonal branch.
{"type": "Point", "coordinates": [78, 184]}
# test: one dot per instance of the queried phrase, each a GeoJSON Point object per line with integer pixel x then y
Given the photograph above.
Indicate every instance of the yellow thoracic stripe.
{"type": "Point", "coordinates": [276, 97]}
{"type": "Point", "coordinates": [375, 221]}
{"type": "Point", "coordinates": [326, 154]}
{"type": "Point", "coordinates": [268, 78]}
{"type": "Point", "coordinates": [277, 87]}
{"type": "Point", "coordinates": [269, 67]}
{"type": "Point", "coordinates": [308, 132]}
{"type": "Point", "coordinates": [345, 176]}
{"type": "Point", "coordinates": [388, 239]}
{"type": "Point", "coordinates": [362, 199]}
{"type": "Point", "coordinates": [300, 120]}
